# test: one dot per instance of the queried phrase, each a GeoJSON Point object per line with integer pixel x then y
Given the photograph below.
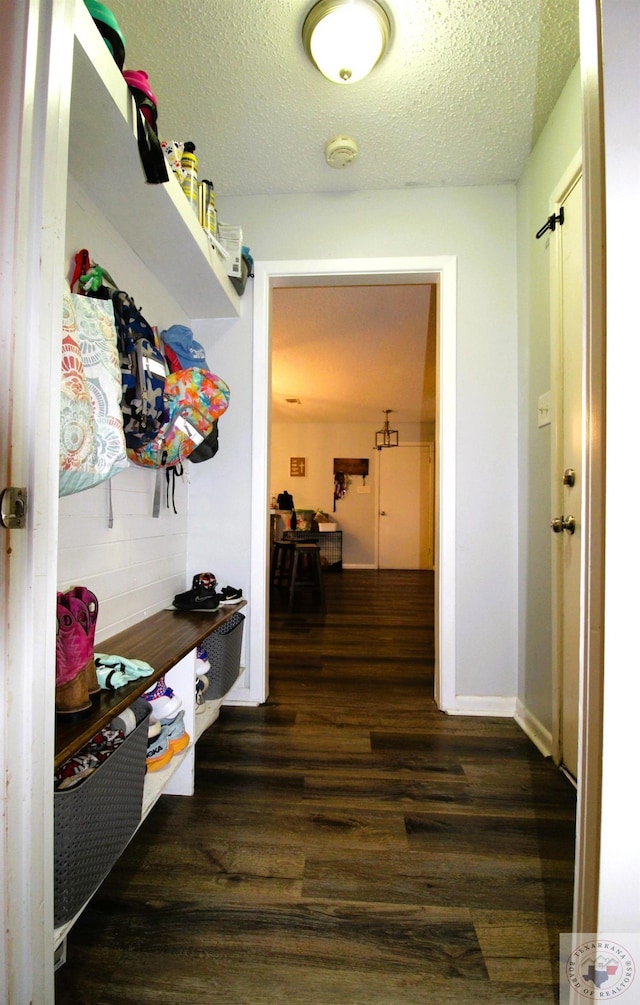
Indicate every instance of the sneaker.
{"type": "Point", "coordinates": [202, 661]}
{"type": "Point", "coordinates": [230, 596]}
{"type": "Point", "coordinates": [159, 752]}
{"type": "Point", "coordinates": [176, 734]}
{"type": "Point", "coordinates": [201, 597]}
{"type": "Point", "coordinates": [202, 683]}
{"type": "Point", "coordinates": [164, 703]}
{"type": "Point", "coordinates": [155, 728]}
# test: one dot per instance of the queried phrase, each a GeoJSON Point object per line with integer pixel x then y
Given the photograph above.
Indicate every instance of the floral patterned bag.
{"type": "Point", "coordinates": [92, 447]}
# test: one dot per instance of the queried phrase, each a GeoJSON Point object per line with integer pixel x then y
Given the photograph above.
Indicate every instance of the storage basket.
{"type": "Point", "coordinates": [94, 822]}
{"type": "Point", "coordinates": [223, 648]}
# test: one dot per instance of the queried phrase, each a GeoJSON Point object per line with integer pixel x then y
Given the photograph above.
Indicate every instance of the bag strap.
{"type": "Point", "coordinates": [173, 473]}
{"type": "Point", "coordinates": [81, 267]}
{"type": "Point", "coordinates": [151, 153]}
{"type": "Point", "coordinates": [157, 493]}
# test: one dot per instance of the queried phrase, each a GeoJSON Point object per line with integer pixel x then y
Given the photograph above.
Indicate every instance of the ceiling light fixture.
{"type": "Point", "coordinates": [386, 437]}
{"type": "Point", "coordinates": [346, 38]}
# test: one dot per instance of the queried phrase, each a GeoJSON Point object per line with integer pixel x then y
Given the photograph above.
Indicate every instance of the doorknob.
{"type": "Point", "coordinates": [382, 513]}
{"type": "Point", "coordinates": [560, 523]}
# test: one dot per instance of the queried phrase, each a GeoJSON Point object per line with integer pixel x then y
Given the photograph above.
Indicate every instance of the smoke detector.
{"type": "Point", "coordinates": [341, 151]}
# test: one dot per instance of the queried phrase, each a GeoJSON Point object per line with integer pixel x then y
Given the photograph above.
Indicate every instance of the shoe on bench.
{"type": "Point", "coordinates": [164, 703]}
{"type": "Point", "coordinates": [201, 597]}
{"type": "Point", "coordinates": [159, 751]}
{"type": "Point", "coordinates": [230, 596]}
{"type": "Point", "coordinates": [176, 734]}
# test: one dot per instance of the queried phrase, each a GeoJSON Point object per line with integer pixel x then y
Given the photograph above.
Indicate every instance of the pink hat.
{"type": "Point", "coordinates": [140, 81]}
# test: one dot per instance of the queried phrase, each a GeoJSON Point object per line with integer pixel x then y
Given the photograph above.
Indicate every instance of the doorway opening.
{"type": "Point", "coordinates": [442, 272]}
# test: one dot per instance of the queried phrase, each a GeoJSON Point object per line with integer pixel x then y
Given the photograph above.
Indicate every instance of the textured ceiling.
{"type": "Point", "coordinates": [347, 352]}
{"type": "Point", "coordinates": [458, 99]}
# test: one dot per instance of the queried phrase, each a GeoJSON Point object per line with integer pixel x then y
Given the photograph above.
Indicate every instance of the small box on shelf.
{"type": "Point", "coordinates": [230, 238]}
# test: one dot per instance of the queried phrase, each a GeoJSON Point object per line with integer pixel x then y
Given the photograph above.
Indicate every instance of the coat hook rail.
{"type": "Point", "coordinates": [551, 223]}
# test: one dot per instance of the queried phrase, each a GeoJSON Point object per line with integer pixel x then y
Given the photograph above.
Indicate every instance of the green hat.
{"type": "Point", "coordinates": [108, 28]}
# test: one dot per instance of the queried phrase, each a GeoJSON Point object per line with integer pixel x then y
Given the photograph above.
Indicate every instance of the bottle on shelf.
{"type": "Point", "coordinates": [189, 163]}
{"type": "Point", "coordinates": [207, 207]}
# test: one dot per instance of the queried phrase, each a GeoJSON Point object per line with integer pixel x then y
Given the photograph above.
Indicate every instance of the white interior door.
{"type": "Point", "coordinates": [567, 490]}
{"type": "Point", "coordinates": [406, 496]}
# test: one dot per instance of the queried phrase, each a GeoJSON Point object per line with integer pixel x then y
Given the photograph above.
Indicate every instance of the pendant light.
{"type": "Point", "coordinates": [386, 437]}
{"type": "Point", "coordinates": [346, 38]}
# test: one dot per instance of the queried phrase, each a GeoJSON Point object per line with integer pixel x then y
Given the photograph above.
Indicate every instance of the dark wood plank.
{"type": "Point", "coordinates": [346, 841]}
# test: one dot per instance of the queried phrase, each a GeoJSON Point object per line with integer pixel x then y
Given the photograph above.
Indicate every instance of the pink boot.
{"type": "Point", "coordinates": [72, 654]}
{"type": "Point", "coordinates": [84, 605]}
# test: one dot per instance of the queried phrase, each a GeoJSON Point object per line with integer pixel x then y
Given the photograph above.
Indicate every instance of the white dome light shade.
{"type": "Point", "coordinates": [346, 38]}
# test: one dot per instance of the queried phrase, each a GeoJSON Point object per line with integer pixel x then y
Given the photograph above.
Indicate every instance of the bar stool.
{"type": "Point", "coordinates": [306, 572]}
{"type": "Point", "coordinates": [282, 564]}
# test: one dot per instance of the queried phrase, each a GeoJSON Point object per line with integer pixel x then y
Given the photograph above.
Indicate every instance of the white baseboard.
{"type": "Point", "coordinates": [466, 704]}
{"type": "Point", "coordinates": [354, 565]}
{"type": "Point", "coordinates": [240, 693]}
{"type": "Point", "coordinates": [533, 728]}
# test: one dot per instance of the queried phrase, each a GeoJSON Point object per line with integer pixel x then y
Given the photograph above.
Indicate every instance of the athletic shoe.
{"type": "Point", "coordinates": [202, 661]}
{"type": "Point", "coordinates": [202, 683]}
{"type": "Point", "coordinates": [201, 597]}
{"type": "Point", "coordinates": [230, 596]}
{"type": "Point", "coordinates": [155, 728]}
{"type": "Point", "coordinates": [159, 752]}
{"type": "Point", "coordinates": [176, 735]}
{"type": "Point", "coordinates": [166, 706]}
{"type": "Point", "coordinates": [164, 703]}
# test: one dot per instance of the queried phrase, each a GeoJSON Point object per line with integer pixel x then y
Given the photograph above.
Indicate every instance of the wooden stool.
{"type": "Point", "coordinates": [282, 564]}
{"type": "Point", "coordinates": [306, 573]}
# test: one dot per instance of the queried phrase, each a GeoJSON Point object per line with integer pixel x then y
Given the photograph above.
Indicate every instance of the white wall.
{"type": "Point", "coordinates": [136, 567]}
{"type": "Point", "coordinates": [555, 149]}
{"type": "Point", "coordinates": [220, 489]}
{"type": "Point", "coordinates": [478, 226]}
{"type": "Point", "coordinates": [319, 443]}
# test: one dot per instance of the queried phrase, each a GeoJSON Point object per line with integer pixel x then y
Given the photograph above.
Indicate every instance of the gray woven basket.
{"type": "Point", "coordinates": [223, 648]}
{"type": "Point", "coordinates": [94, 822]}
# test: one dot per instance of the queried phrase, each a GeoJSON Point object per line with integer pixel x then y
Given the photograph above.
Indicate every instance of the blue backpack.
{"type": "Point", "coordinates": [143, 373]}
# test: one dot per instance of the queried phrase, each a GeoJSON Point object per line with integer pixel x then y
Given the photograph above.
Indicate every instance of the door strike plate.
{"type": "Point", "coordinates": [13, 508]}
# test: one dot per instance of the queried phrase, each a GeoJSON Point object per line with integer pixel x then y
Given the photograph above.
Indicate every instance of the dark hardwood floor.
{"type": "Point", "coordinates": [347, 843]}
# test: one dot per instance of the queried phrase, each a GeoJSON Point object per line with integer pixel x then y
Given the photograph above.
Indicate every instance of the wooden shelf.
{"type": "Point", "coordinates": [155, 220]}
{"type": "Point", "coordinates": [162, 641]}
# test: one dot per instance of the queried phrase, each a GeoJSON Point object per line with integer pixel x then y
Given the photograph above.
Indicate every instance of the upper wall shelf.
{"type": "Point", "coordinates": [155, 220]}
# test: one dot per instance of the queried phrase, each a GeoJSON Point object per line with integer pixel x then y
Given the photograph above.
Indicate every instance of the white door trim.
{"type": "Point", "coordinates": [587, 873]}
{"type": "Point", "coordinates": [35, 101]}
{"type": "Point", "coordinates": [558, 197]}
{"type": "Point", "coordinates": [440, 269]}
